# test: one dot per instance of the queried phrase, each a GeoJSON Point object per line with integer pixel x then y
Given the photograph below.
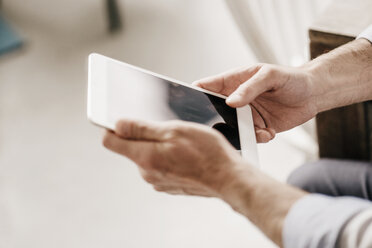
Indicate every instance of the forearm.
{"type": "Point", "coordinates": [263, 200]}
{"type": "Point", "coordinates": [342, 76]}
{"type": "Point", "coordinates": [291, 217]}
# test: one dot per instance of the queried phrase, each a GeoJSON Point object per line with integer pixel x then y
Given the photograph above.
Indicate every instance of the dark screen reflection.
{"type": "Point", "coordinates": [135, 94]}
{"type": "Point", "coordinates": [191, 105]}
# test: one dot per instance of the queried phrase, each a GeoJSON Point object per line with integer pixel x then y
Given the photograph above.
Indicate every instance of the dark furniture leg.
{"type": "Point", "coordinates": [114, 18]}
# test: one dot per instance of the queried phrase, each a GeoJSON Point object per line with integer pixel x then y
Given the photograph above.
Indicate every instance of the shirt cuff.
{"type": "Point", "coordinates": [316, 220]}
{"type": "Point", "coordinates": [366, 34]}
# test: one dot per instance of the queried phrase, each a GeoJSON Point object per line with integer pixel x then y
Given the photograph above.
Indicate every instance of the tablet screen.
{"type": "Point", "coordinates": [135, 94]}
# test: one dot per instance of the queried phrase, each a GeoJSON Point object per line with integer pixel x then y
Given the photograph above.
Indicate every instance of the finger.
{"type": "Point", "coordinates": [225, 83]}
{"type": "Point", "coordinates": [213, 83]}
{"type": "Point", "coordinates": [137, 151]}
{"type": "Point", "coordinates": [140, 130]}
{"type": "Point", "coordinates": [176, 190]}
{"type": "Point", "coordinates": [249, 90]}
{"type": "Point", "coordinates": [169, 189]}
{"type": "Point", "coordinates": [150, 177]}
{"type": "Point", "coordinates": [264, 135]}
{"type": "Point", "coordinates": [257, 118]}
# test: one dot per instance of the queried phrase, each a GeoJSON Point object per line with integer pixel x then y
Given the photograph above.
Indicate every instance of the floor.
{"type": "Point", "coordinates": [58, 186]}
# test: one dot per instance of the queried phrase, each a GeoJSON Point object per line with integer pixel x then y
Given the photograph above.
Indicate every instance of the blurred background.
{"type": "Point", "coordinates": [58, 186]}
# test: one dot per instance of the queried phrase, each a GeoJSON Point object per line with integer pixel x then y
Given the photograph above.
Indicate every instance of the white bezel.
{"type": "Point", "coordinates": [96, 109]}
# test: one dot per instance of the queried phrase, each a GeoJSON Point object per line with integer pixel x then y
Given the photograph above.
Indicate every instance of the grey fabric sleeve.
{"type": "Point", "coordinates": [366, 34]}
{"type": "Point", "coordinates": [358, 231]}
{"type": "Point", "coordinates": [315, 221]}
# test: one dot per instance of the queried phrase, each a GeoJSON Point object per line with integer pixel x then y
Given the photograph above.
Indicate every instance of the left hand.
{"type": "Point", "coordinates": [177, 157]}
{"type": "Point", "coordinates": [187, 158]}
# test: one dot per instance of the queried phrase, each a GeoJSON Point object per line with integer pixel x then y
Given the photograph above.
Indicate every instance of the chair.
{"type": "Point", "coordinates": [343, 133]}
{"type": "Point", "coordinates": [114, 17]}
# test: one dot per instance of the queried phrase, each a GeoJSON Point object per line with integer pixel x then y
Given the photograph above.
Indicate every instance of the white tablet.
{"type": "Point", "coordinates": [117, 90]}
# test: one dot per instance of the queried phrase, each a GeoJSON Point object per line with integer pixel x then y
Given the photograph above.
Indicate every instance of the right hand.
{"type": "Point", "coordinates": [281, 97]}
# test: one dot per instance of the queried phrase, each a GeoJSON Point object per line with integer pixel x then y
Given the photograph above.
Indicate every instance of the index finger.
{"type": "Point", "coordinates": [140, 129]}
{"type": "Point", "coordinates": [227, 82]}
{"type": "Point", "coordinates": [137, 151]}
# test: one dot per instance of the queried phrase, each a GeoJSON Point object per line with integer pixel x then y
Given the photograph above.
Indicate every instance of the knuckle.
{"type": "Point", "coordinates": [187, 191]}
{"type": "Point", "coordinates": [160, 188]}
{"type": "Point", "coordinates": [270, 71]}
{"type": "Point", "coordinates": [130, 129]}
{"type": "Point", "coordinates": [138, 130]}
{"type": "Point", "coordinates": [244, 89]}
{"type": "Point", "coordinates": [176, 129]}
{"type": "Point", "coordinates": [172, 148]}
{"type": "Point", "coordinates": [106, 141]}
{"type": "Point", "coordinates": [120, 126]}
{"type": "Point", "coordinates": [150, 178]}
{"type": "Point", "coordinates": [255, 67]}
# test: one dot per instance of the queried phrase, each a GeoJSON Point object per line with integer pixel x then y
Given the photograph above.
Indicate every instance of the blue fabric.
{"type": "Point", "coordinates": [334, 177]}
{"type": "Point", "coordinates": [315, 221]}
{"type": "Point", "coordinates": [9, 40]}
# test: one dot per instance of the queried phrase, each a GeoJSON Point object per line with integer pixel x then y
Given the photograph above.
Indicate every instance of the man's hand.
{"type": "Point", "coordinates": [187, 158]}
{"type": "Point", "coordinates": [281, 97]}
{"type": "Point", "coordinates": [285, 97]}
{"type": "Point", "coordinates": [176, 157]}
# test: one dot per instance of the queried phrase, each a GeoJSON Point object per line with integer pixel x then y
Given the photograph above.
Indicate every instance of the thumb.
{"type": "Point", "coordinates": [249, 90]}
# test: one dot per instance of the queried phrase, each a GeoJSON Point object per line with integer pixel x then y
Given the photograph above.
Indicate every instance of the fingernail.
{"type": "Point", "coordinates": [233, 98]}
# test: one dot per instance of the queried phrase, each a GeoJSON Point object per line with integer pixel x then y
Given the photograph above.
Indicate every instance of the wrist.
{"type": "Point", "coordinates": [238, 185]}
{"type": "Point", "coordinates": [317, 76]}
{"type": "Point", "coordinates": [263, 200]}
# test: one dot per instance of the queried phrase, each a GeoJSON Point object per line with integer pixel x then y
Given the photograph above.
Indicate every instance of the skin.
{"type": "Point", "coordinates": [276, 104]}
{"type": "Point", "coordinates": [186, 158]}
